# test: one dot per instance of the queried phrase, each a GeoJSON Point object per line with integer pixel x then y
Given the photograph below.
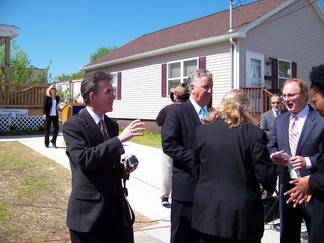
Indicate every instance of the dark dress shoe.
{"type": "Point", "coordinates": [46, 146]}
{"type": "Point", "coordinates": [54, 145]}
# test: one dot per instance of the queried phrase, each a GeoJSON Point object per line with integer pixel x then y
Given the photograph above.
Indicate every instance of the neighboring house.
{"type": "Point", "coordinates": [38, 75]}
{"type": "Point", "coordinates": [71, 91]}
{"type": "Point", "coordinates": [268, 42]}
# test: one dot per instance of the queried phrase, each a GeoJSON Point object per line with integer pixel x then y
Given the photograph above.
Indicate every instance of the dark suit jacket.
{"type": "Point", "coordinates": [177, 139]}
{"type": "Point", "coordinates": [91, 162]}
{"type": "Point", "coordinates": [316, 184]}
{"type": "Point", "coordinates": [48, 104]}
{"type": "Point", "coordinates": [308, 144]}
{"type": "Point", "coordinates": [229, 164]}
{"type": "Point", "coordinates": [162, 114]}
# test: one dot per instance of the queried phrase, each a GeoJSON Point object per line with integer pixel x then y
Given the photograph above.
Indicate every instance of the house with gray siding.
{"type": "Point", "coordinates": [260, 44]}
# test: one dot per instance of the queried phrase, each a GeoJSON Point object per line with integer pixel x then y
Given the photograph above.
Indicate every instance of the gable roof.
{"type": "Point", "coordinates": [205, 30]}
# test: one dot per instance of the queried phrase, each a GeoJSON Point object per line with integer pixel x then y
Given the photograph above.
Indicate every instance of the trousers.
{"type": "Point", "coordinates": [166, 173]}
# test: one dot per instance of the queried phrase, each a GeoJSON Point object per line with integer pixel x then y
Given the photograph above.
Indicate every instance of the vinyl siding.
{"type": "Point", "coordinates": [295, 34]}
{"type": "Point", "coordinates": [141, 81]}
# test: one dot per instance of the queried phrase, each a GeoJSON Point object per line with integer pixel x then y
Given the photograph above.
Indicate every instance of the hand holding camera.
{"type": "Point", "coordinates": [130, 163]}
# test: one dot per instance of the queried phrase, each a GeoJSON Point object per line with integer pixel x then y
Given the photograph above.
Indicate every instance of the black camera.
{"type": "Point", "coordinates": [131, 160]}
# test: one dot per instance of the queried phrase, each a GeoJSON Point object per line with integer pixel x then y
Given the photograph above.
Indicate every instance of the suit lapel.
{"type": "Point", "coordinates": [91, 125]}
{"type": "Point", "coordinates": [111, 127]}
{"type": "Point", "coordinates": [307, 128]}
{"type": "Point", "coordinates": [272, 117]}
{"type": "Point", "coordinates": [285, 124]}
{"type": "Point", "coordinates": [190, 109]}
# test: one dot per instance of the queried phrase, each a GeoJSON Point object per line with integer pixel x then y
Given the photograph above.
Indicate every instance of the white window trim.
{"type": "Point", "coordinates": [257, 56]}
{"type": "Point", "coordinates": [181, 71]}
{"type": "Point", "coordinates": [115, 86]}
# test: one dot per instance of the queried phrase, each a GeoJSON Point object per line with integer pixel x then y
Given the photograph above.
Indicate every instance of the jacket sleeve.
{"type": "Point", "coordinates": [263, 166]}
{"type": "Point", "coordinates": [316, 183]}
{"type": "Point", "coordinates": [173, 136]}
{"type": "Point", "coordinates": [45, 105]}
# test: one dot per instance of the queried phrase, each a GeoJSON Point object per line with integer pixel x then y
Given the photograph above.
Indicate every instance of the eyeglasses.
{"type": "Point", "coordinates": [109, 92]}
{"type": "Point", "coordinates": [276, 102]}
{"type": "Point", "coordinates": [285, 96]}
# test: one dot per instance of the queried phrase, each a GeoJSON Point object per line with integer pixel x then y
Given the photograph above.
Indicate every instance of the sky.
{"type": "Point", "coordinates": [67, 32]}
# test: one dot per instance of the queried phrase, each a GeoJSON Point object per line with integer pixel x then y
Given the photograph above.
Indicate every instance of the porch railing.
{"type": "Point", "coordinates": [31, 95]}
{"type": "Point", "coordinates": [259, 99]}
{"type": "Point", "coordinates": [22, 95]}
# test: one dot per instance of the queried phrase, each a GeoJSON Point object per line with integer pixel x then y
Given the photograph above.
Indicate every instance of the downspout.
{"type": "Point", "coordinates": [232, 43]}
{"type": "Point", "coordinates": [232, 59]}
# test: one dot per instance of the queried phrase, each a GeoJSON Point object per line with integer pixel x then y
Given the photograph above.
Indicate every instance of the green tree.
{"type": "Point", "coordinates": [65, 95]}
{"type": "Point", "coordinates": [20, 71]}
{"type": "Point", "coordinates": [69, 77]}
{"type": "Point", "coordinates": [102, 51]}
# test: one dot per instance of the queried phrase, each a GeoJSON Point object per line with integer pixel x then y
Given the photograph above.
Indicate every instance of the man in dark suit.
{"type": "Point", "coordinates": [98, 210]}
{"type": "Point", "coordinates": [313, 185]}
{"type": "Point", "coordinates": [301, 153]}
{"type": "Point", "coordinates": [177, 141]}
{"type": "Point", "coordinates": [178, 95]}
{"type": "Point", "coordinates": [268, 117]}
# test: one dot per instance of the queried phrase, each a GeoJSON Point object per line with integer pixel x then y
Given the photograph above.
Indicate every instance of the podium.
{"type": "Point", "coordinates": [70, 109]}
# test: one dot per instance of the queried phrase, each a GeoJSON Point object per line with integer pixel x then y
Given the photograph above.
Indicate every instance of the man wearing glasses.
{"type": "Point", "coordinates": [98, 210]}
{"type": "Point", "coordinates": [268, 117]}
{"type": "Point", "coordinates": [295, 139]}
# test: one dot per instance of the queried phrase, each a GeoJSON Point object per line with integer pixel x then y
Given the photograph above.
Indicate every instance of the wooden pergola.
{"type": "Point", "coordinates": [7, 32]}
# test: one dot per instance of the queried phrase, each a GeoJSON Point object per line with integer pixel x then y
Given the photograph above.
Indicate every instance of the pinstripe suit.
{"type": "Point", "coordinates": [95, 208]}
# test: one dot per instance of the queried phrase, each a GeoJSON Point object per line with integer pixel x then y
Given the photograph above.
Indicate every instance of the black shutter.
{"type": "Point", "coordinates": [119, 83]}
{"type": "Point", "coordinates": [294, 70]}
{"type": "Point", "coordinates": [163, 80]}
{"type": "Point", "coordinates": [202, 63]}
{"type": "Point", "coordinates": [274, 71]}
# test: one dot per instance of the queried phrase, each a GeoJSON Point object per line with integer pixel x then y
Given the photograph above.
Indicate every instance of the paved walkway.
{"type": "Point", "coordinates": [143, 187]}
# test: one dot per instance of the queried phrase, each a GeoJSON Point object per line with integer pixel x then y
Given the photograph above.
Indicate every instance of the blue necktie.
{"type": "Point", "coordinates": [202, 114]}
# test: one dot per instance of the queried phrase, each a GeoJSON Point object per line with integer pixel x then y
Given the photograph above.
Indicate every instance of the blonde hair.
{"type": "Point", "coordinates": [48, 91]}
{"type": "Point", "coordinates": [233, 110]}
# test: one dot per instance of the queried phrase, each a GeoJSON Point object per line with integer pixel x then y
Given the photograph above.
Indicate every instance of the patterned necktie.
{"type": "Point", "coordinates": [102, 130]}
{"type": "Point", "coordinates": [293, 135]}
{"type": "Point", "coordinates": [202, 114]}
{"type": "Point", "coordinates": [277, 113]}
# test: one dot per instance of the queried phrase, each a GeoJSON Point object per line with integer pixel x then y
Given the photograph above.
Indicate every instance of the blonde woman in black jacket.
{"type": "Point", "coordinates": [50, 111]}
{"type": "Point", "coordinates": [230, 161]}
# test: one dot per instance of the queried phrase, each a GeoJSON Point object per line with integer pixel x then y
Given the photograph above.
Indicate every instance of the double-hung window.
{"type": "Point", "coordinates": [284, 71]}
{"type": "Point", "coordinates": [178, 72]}
{"type": "Point", "coordinates": [114, 82]}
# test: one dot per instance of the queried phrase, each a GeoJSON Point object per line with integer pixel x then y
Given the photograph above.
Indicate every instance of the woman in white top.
{"type": "Point", "coordinates": [50, 111]}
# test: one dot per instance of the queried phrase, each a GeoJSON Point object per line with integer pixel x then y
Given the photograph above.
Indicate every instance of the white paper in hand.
{"type": "Point", "coordinates": [293, 174]}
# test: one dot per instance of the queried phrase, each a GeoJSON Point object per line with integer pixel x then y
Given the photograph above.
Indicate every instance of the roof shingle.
{"type": "Point", "coordinates": [209, 26]}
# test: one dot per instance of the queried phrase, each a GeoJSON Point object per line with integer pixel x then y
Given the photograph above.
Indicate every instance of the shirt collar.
{"type": "Point", "coordinates": [196, 106]}
{"type": "Point", "coordinates": [275, 112]}
{"type": "Point", "coordinates": [94, 116]}
{"type": "Point", "coordinates": [302, 114]}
